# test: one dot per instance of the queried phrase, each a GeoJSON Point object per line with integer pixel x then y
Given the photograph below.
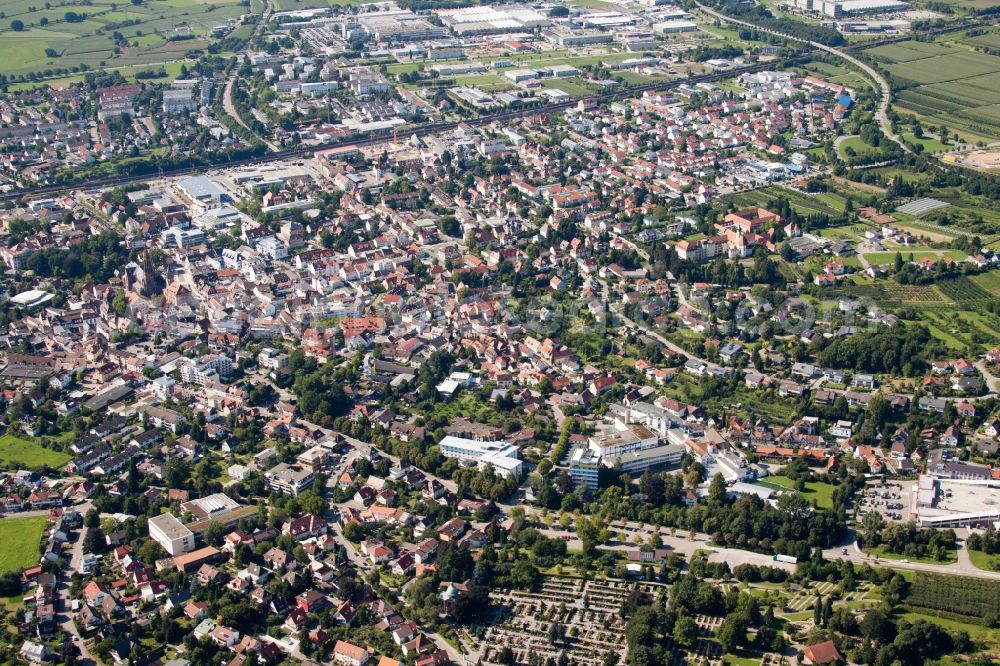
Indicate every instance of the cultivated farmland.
{"type": "Point", "coordinates": [969, 597]}
{"type": "Point", "coordinates": [73, 34]}
{"type": "Point", "coordinates": [947, 82]}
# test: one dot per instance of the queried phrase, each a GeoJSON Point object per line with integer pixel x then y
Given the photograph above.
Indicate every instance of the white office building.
{"type": "Point", "coordinates": [171, 533]}
{"type": "Point", "coordinates": [504, 458]}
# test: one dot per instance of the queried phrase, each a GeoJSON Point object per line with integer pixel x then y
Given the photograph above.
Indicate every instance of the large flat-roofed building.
{"type": "Point", "coordinates": [564, 37]}
{"type": "Point", "coordinates": [675, 27]}
{"type": "Point", "coordinates": [637, 462]}
{"type": "Point", "coordinates": [200, 188]}
{"type": "Point", "coordinates": [837, 9]}
{"type": "Point", "coordinates": [943, 502]}
{"type": "Point", "coordinates": [484, 20]}
{"type": "Point", "coordinates": [632, 447]}
{"type": "Point", "coordinates": [504, 458]}
{"type": "Point", "coordinates": [621, 438]}
{"type": "Point", "coordinates": [171, 533]}
{"type": "Point", "coordinates": [400, 26]}
{"type": "Point", "coordinates": [289, 480]}
{"type": "Point", "coordinates": [210, 507]}
{"type": "Point", "coordinates": [194, 559]}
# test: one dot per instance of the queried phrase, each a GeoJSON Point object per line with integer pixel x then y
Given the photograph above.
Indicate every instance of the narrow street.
{"type": "Point", "coordinates": [64, 614]}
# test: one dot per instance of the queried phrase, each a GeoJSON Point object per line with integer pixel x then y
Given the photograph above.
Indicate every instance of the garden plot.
{"type": "Point", "coordinates": [805, 599]}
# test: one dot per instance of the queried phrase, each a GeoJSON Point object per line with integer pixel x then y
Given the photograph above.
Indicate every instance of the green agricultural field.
{"type": "Point", "coordinates": [989, 40]}
{"type": "Point", "coordinates": [972, 598]}
{"type": "Point", "coordinates": [19, 540]}
{"type": "Point", "coordinates": [822, 493]}
{"type": "Point", "coordinates": [949, 67]}
{"type": "Point", "coordinates": [573, 86]}
{"type": "Point", "coordinates": [829, 203]}
{"type": "Point", "coordinates": [961, 327]}
{"type": "Point", "coordinates": [53, 42]}
{"type": "Point", "coordinates": [963, 290]}
{"type": "Point", "coordinates": [990, 281]}
{"type": "Point", "coordinates": [16, 452]}
{"type": "Point", "coordinates": [947, 82]}
{"type": "Point", "coordinates": [908, 51]}
{"type": "Point", "coordinates": [911, 293]}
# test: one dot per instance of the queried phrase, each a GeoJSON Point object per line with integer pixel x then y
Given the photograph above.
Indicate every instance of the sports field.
{"type": "Point", "coordinates": [19, 539]}
{"type": "Point", "coordinates": [100, 34]}
{"type": "Point", "coordinates": [16, 452]}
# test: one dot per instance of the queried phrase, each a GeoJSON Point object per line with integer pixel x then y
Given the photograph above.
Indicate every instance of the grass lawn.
{"type": "Point", "coordinates": [16, 452]}
{"type": "Point", "coordinates": [734, 660]}
{"type": "Point", "coordinates": [885, 258]}
{"type": "Point", "coordinates": [798, 617]}
{"type": "Point", "coordinates": [883, 554]}
{"type": "Point", "coordinates": [947, 338]}
{"type": "Point", "coordinates": [930, 145]}
{"type": "Point", "coordinates": [821, 492]}
{"type": "Point", "coordinates": [855, 144]}
{"type": "Point", "coordinates": [984, 561]}
{"type": "Point", "coordinates": [19, 539]}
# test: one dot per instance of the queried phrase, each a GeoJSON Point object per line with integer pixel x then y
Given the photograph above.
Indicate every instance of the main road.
{"type": "Point", "coordinates": [227, 93]}
{"type": "Point", "coordinates": [629, 535]}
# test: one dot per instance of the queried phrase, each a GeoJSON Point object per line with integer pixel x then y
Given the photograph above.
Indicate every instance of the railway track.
{"type": "Point", "coordinates": [385, 136]}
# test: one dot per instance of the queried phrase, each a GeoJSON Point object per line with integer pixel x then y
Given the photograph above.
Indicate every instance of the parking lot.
{"type": "Point", "coordinates": [891, 499]}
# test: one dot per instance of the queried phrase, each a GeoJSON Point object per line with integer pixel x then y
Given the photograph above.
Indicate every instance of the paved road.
{"type": "Point", "coordinates": [616, 309]}
{"type": "Point", "coordinates": [64, 615]}
{"type": "Point", "coordinates": [992, 381]}
{"type": "Point", "coordinates": [629, 535]}
{"type": "Point", "coordinates": [63, 601]}
{"type": "Point", "coordinates": [227, 94]}
{"type": "Point", "coordinates": [353, 554]}
{"type": "Point", "coordinates": [963, 567]}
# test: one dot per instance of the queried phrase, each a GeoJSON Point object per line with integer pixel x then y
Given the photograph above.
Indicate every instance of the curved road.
{"type": "Point", "coordinates": [227, 94]}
